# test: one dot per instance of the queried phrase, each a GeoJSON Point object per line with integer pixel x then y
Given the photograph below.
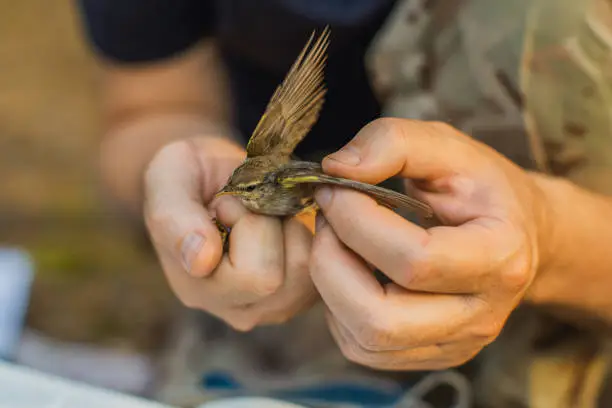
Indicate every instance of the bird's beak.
{"type": "Point", "coordinates": [225, 191]}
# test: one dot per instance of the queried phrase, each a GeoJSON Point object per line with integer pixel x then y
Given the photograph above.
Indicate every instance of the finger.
{"type": "Point", "coordinates": [387, 360]}
{"type": "Point", "coordinates": [297, 292]}
{"type": "Point", "coordinates": [382, 320]}
{"type": "Point", "coordinates": [412, 149]}
{"type": "Point", "coordinates": [253, 269]}
{"type": "Point", "coordinates": [245, 303]}
{"type": "Point", "coordinates": [298, 243]}
{"type": "Point", "coordinates": [432, 357]}
{"type": "Point", "coordinates": [174, 214]}
{"type": "Point", "coordinates": [228, 210]}
{"type": "Point", "coordinates": [217, 157]}
{"type": "Point", "coordinates": [445, 318]}
{"type": "Point", "coordinates": [213, 296]}
{"type": "Point", "coordinates": [345, 283]}
{"type": "Point", "coordinates": [440, 259]}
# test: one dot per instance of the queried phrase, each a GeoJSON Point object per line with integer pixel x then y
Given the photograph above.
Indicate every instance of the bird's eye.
{"type": "Point", "coordinates": [251, 187]}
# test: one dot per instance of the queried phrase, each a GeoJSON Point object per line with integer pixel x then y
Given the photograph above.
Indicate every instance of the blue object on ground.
{"type": "Point", "coordinates": [16, 275]}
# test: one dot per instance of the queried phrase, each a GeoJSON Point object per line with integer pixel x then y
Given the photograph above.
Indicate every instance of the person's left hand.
{"type": "Point", "coordinates": [454, 285]}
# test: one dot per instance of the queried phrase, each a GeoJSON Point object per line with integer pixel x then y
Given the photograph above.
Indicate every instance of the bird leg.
{"type": "Point", "coordinates": [224, 231]}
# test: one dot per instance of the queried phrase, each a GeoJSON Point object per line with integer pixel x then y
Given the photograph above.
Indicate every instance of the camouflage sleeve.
{"type": "Point", "coordinates": [531, 78]}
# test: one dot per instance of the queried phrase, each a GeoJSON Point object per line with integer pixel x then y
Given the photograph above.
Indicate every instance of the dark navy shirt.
{"type": "Point", "coordinates": [259, 40]}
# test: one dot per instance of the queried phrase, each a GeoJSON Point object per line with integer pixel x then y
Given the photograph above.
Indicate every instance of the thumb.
{"type": "Point", "coordinates": [178, 223]}
{"type": "Point", "coordinates": [401, 147]}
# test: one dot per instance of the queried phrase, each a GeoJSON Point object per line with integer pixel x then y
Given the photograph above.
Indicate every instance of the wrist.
{"type": "Point", "coordinates": [129, 146]}
{"type": "Point", "coordinates": [573, 278]}
{"type": "Point", "coordinates": [545, 215]}
{"type": "Point", "coordinates": [551, 194]}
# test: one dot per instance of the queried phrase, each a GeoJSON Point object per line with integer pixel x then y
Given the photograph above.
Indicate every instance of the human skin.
{"type": "Point", "coordinates": [511, 236]}
{"type": "Point", "coordinates": [507, 236]}
{"type": "Point", "coordinates": [168, 146]}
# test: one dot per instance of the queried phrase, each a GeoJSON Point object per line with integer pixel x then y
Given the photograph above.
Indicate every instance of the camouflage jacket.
{"type": "Point", "coordinates": [533, 79]}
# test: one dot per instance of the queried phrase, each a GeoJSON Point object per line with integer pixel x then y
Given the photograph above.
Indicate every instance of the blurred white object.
{"type": "Point", "coordinates": [16, 275]}
{"type": "Point", "coordinates": [120, 370]}
{"type": "Point", "coordinates": [22, 387]}
{"type": "Point", "coordinates": [248, 402]}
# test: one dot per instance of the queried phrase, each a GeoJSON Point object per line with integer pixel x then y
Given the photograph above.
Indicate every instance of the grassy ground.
{"type": "Point", "coordinates": [95, 281]}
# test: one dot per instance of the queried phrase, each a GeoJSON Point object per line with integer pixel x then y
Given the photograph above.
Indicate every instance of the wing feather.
{"type": "Point", "coordinates": [295, 105]}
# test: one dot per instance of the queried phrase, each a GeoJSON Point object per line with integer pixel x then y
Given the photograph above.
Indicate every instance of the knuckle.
{"type": "Point", "coordinates": [514, 260]}
{"type": "Point", "coordinates": [515, 278]}
{"type": "Point", "coordinates": [441, 127]}
{"type": "Point", "coordinates": [463, 358]}
{"type": "Point", "coordinates": [515, 272]}
{"type": "Point", "coordinates": [242, 323]}
{"type": "Point", "coordinates": [417, 266]}
{"type": "Point", "coordinates": [258, 283]}
{"type": "Point", "coordinates": [156, 218]}
{"type": "Point", "coordinates": [516, 275]}
{"type": "Point", "coordinates": [386, 127]}
{"type": "Point", "coordinates": [267, 286]}
{"type": "Point", "coordinates": [353, 353]}
{"type": "Point", "coordinates": [484, 322]}
{"type": "Point", "coordinates": [375, 335]}
{"type": "Point", "coordinates": [280, 319]}
{"type": "Point", "coordinates": [489, 329]}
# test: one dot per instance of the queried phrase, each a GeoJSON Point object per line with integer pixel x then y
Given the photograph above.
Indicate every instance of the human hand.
{"type": "Point", "coordinates": [263, 279]}
{"type": "Point", "coordinates": [453, 285]}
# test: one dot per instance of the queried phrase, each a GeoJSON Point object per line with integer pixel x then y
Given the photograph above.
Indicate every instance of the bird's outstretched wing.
{"type": "Point", "coordinates": [311, 173]}
{"type": "Point", "coordinates": [296, 103]}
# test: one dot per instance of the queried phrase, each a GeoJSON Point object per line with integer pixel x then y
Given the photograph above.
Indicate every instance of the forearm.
{"type": "Point", "coordinates": [576, 260]}
{"type": "Point", "coordinates": [150, 105]}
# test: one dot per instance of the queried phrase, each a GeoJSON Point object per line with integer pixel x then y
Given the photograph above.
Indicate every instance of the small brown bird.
{"type": "Point", "coordinates": [269, 181]}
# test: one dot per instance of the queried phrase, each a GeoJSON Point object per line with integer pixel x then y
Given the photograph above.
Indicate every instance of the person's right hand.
{"type": "Point", "coordinates": [263, 279]}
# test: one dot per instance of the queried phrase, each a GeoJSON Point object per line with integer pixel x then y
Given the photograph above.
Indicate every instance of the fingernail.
{"type": "Point", "coordinates": [348, 155]}
{"type": "Point", "coordinates": [320, 222]}
{"type": "Point", "coordinates": [323, 196]}
{"type": "Point", "coordinates": [192, 245]}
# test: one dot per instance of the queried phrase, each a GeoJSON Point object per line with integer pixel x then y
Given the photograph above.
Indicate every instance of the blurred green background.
{"type": "Point", "coordinates": [96, 280]}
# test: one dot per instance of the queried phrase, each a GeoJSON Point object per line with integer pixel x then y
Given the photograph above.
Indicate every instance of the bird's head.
{"type": "Point", "coordinates": [247, 182]}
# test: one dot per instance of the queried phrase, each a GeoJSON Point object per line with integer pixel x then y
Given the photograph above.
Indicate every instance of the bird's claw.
{"type": "Point", "coordinates": [224, 232]}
